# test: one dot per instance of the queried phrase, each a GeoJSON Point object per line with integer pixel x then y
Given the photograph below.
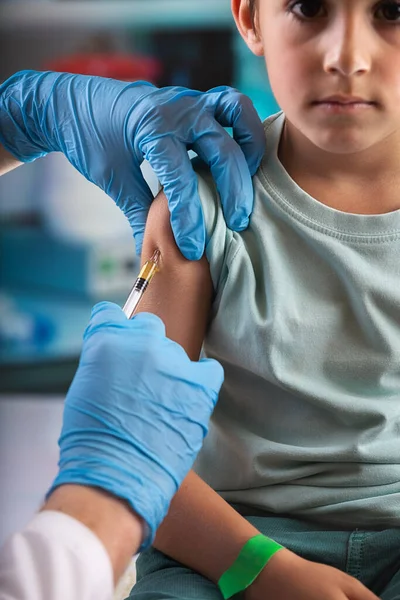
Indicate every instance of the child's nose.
{"type": "Point", "coordinates": [347, 49]}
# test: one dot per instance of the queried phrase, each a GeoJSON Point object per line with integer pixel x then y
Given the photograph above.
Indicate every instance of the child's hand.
{"type": "Point", "coordinates": [289, 577]}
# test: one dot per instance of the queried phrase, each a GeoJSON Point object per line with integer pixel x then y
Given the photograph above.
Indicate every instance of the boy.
{"type": "Point", "coordinates": [305, 441]}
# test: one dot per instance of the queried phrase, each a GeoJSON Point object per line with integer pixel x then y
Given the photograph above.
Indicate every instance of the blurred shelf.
{"type": "Point", "coordinates": [115, 13]}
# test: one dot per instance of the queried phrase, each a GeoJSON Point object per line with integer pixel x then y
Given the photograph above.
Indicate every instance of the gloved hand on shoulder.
{"type": "Point", "coordinates": [106, 128]}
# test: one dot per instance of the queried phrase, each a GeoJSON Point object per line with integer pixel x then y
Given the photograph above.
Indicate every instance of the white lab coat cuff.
{"type": "Point", "coordinates": [55, 556]}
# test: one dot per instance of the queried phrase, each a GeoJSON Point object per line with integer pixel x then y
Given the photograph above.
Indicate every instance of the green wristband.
{"type": "Point", "coordinates": [251, 560]}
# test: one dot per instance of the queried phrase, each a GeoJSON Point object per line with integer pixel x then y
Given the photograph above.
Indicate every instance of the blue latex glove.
{"type": "Point", "coordinates": [136, 413]}
{"type": "Point", "coordinates": [105, 128]}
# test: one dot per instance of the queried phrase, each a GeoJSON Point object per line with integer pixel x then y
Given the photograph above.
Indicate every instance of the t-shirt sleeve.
{"type": "Point", "coordinates": [218, 235]}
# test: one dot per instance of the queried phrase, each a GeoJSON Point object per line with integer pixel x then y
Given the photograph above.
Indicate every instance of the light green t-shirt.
{"type": "Point", "coordinates": [306, 323]}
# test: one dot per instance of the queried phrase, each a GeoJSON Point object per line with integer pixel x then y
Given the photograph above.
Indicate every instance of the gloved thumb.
{"type": "Point", "coordinates": [211, 374]}
{"type": "Point", "coordinates": [103, 314]}
{"type": "Point", "coordinates": [150, 322]}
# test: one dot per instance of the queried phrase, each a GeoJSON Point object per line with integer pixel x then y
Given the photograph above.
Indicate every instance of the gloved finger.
{"type": "Point", "coordinates": [151, 323]}
{"type": "Point", "coordinates": [211, 372]}
{"type": "Point", "coordinates": [138, 219]}
{"type": "Point", "coordinates": [231, 174]}
{"type": "Point", "coordinates": [139, 237]}
{"type": "Point", "coordinates": [103, 314]}
{"type": "Point", "coordinates": [236, 110]}
{"type": "Point", "coordinates": [170, 162]}
{"type": "Point", "coordinates": [107, 311]}
{"type": "Point", "coordinates": [133, 196]}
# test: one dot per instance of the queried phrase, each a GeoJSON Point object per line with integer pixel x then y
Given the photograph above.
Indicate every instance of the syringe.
{"type": "Point", "coordinates": [145, 276]}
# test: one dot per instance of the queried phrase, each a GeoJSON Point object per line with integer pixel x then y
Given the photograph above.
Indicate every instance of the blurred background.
{"type": "Point", "coordinates": [63, 243]}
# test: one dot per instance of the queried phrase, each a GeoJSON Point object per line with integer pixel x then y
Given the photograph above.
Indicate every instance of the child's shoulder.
{"type": "Point", "coordinates": [274, 122]}
{"type": "Point", "coordinates": [273, 127]}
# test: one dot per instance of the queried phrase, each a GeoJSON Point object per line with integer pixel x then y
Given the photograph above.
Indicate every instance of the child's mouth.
{"type": "Point", "coordinates": [341, 104]}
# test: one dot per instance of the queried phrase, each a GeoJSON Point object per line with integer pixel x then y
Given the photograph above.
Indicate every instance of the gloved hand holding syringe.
{"type": "Point", "coordinates": [145, 276]}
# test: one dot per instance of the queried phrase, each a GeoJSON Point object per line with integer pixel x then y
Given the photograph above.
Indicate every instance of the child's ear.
{"type": "Point", "coordinates": [247, 28]}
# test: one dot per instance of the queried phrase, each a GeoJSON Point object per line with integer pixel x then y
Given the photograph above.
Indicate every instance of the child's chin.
{"type": "Point", "coordinates": [344, 141]}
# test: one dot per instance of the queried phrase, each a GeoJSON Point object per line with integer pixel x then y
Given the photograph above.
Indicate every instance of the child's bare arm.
{"type": "Point", "coordinates": [201, 530]}
{"type": "Point", "coordinates": [181, 292]}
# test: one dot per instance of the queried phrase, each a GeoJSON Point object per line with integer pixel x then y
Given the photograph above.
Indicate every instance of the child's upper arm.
{"type": "Point", "coordinates": [181, 292]}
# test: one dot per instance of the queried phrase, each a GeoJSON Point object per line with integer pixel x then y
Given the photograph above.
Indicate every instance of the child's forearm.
{"type": "Point", "coordinates": [202, 531]}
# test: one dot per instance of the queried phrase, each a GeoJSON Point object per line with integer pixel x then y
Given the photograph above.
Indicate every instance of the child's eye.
{"type": "Point", "coordinates": [306, 9]}
{"type": "Point", "coordinates": [389, 11]}
{"type": "Point", "coordinates": [310, 9]}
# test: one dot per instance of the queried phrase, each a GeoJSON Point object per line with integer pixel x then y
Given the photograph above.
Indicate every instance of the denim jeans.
{"type": "Point", "coordinates": [372, 557]}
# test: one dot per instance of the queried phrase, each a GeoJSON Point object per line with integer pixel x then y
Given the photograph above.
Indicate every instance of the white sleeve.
{"type": "Point", "coordinates": [55, 557]}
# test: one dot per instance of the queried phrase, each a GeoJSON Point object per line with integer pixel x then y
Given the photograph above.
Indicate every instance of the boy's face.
{"type": "Point", "coordinates": [342, 50]}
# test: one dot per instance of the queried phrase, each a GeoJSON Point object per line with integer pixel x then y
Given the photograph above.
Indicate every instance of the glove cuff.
{"type": "Point", "coordinates": [149, 497]}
